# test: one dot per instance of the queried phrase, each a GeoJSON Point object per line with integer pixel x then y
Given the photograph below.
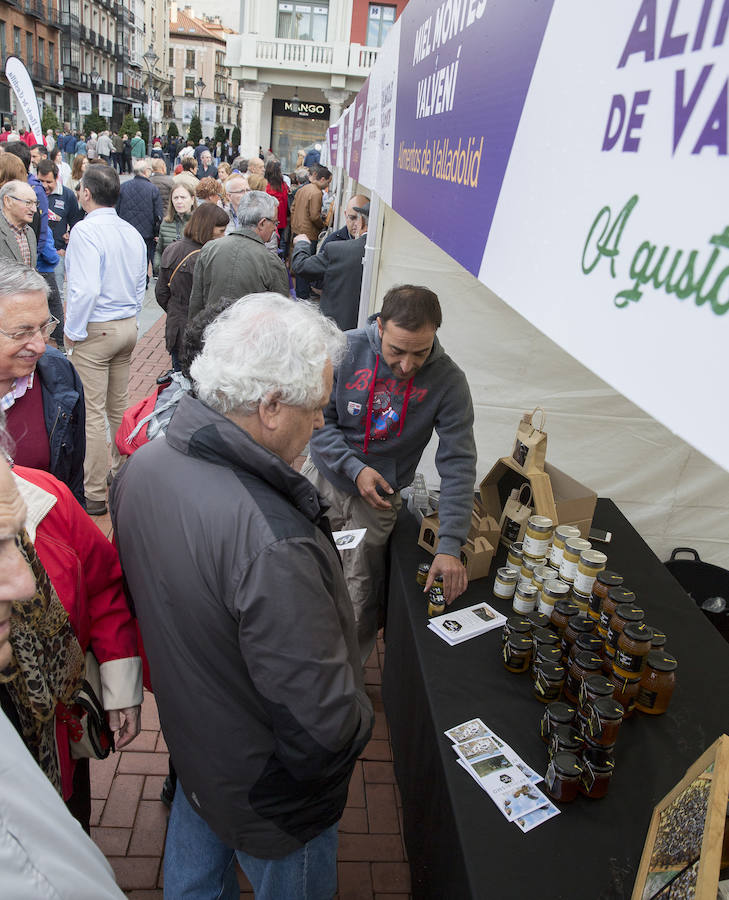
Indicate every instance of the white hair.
{"type": "Point", "coordinates": [262, 347]}
{"type": "Point", "coordinates": [256, 205]}
{"type": "Point", "coordinates": [141, 165]}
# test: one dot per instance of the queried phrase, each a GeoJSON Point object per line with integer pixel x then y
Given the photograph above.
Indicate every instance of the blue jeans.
{"type": "Point", "coordinates": [199, 866]}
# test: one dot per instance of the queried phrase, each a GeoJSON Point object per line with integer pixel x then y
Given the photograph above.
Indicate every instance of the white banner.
{"type": "Point", "coordinates": [156, 110]}
{"type": "Point", "coordinates": [106, 104]}
{"type": "Point", "coordinates": [22, 86]}
{"type": "Point", "coordinates": [208, 115]}
{"type": "Point", "coordinates": [188, 110]}
{"type": "Point", "coordinates": [84, 104]}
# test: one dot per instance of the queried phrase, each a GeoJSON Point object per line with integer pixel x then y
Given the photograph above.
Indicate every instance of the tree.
{"type": "Point", "coordinates": [143, 126]}
{"type": "Point", "coordinates": [49, 119]}
{"type": "Point", "coordinates": [195, 132]}
{"type": "Point", "coordinates": [128, 126]}
{"type": "Point", "coordinates": [235, 138]}
{"type": "Point", "coordinates": [219, 135]}
{"type": "Point", "coordinates": [94, 122]}
{"type": "Point", "coordinates": [172, 131]}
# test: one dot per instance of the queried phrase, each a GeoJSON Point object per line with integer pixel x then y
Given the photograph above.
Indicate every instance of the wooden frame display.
{"type": "Point", "coordinates": [682, 853]}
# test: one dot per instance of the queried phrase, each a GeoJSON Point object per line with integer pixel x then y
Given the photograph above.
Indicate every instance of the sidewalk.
{"type": "Point", "coordinates": [129, 820]}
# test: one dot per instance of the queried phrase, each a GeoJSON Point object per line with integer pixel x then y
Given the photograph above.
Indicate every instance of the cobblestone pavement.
{"type": "Point", "coordinates": [129, 821]}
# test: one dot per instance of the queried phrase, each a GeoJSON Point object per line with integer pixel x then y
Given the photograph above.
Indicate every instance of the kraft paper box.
{"type": "Point", "coordinates": [480, 546]}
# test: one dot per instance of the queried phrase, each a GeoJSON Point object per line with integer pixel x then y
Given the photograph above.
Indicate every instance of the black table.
{"type": "Point", "coordinates": [459, 844]}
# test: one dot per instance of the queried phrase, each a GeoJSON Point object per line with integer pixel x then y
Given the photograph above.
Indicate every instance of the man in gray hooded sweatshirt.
{"type": "Point", "coordinates": [393, 387]}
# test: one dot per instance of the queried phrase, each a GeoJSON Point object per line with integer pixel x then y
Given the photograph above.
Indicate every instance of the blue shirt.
{"type": "Point", "coordinates": [106, 272]}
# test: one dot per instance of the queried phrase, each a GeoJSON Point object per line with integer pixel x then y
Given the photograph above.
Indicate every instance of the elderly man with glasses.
{"type": "Point", "coordinates": [18, 204]}
{"type": "Point", "coordinates": [40, 391]}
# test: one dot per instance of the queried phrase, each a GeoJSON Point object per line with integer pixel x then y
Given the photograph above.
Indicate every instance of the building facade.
{"type": "Point", "coordinates": [300, 64]}
{"type": "Point", "coordinates": [202, 82]}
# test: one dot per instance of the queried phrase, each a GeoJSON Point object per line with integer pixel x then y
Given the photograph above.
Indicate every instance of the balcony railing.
{"type": "Point", "coordinates": [137, 94]}
{"type": "Point", "coordinates": [109, 46]}
{"type": "Point", "coordinates": [249, 51]}
{"type": "Point", "coordinates": [69, 21]}
{"type": "Point", "coordinates": [71, 74]}
{"type": "Point", "coordinates": [35, 8]}
{"type": "Point", "coordinates": [38, 72]}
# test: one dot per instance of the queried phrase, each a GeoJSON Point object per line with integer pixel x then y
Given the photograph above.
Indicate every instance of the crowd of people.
{"type": "Point", "coordinates": [223, 591]}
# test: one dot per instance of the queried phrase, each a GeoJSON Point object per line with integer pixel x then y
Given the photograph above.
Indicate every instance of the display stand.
{"type": "Point", "coordinates": [682, 853]}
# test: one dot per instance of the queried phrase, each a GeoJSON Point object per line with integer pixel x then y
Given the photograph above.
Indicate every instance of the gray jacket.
{"type": "Point", "coordinates": [248, 628]}
{"type": "Point", "coordinates": [339, 263]}
{"type": "Point", "coordinates": [233, 266]}
{"type": "Point", "coordinates": [9, 248]}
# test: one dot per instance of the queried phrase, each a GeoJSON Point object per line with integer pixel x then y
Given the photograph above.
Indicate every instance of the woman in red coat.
{"type": "Point", "coordinates": [278, 188]}
{"type": "Point", "coordinates": [84, 570]}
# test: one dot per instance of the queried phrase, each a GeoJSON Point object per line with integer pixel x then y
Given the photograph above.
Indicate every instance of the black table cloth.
{"type": "Point", "coordinates": [459, 844]}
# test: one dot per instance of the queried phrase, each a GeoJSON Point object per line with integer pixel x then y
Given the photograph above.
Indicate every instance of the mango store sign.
{"type": "Point", "coordinates": [573, 156]}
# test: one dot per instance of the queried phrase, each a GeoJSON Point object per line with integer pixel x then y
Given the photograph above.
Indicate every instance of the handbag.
{"type": "Point", "coordinates": [92, 738]}
{"type": "Point", "coordinates": [514, 517]}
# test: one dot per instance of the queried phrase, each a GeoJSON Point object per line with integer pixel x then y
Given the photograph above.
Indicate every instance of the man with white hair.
{"type": "Point", "coordinates": [239, 263]}
{"type": "Point", "coordinates": [244, 611]}
{"type": "Point", "coordinates": [18, 204]}
{"type": "Point", "coordinates": [207, 169]}
{"type": "Point", "coordinates": [140, 204]}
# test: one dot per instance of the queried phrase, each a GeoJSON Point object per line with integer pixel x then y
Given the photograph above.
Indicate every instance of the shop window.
{"type": "Point", "coordinates": [303, 21]}
{"type": "Point", "coordinates": [189, 59]}
{"type": "Point", "coordinates": [379, 22]}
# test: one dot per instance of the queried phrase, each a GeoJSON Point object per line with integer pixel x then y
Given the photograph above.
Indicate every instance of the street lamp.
{"type": "Point", "coordinates": [199, 87]}
{"type": "Point", "coordinates": [150, 61]}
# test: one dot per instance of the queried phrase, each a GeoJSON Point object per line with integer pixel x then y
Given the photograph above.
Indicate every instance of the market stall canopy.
{"type": "Point", "coordinates": [571, 156]}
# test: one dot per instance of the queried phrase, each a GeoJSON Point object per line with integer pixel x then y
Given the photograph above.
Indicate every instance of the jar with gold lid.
{"type": "Point", "coordinates": [590, 564]}
{"type": "Point", "coordinates": [561, 533]}
{"type": "Point", "coordinates": [517, 653]}
{"type": "Point", "coordinates": [552, 590]}
{"type": "Point", "coordinates": [505, 582]}
{"type": "Point", "coordinates": [538, 536]}
{"type": "Point", "coordinates": [573, 547]}
{"type": "Point", "coordinates": [582, 666]}
{"type": "Point", "coordinates": [515, 555]}
{"type": "Point", "coordinates": [657, 684]}
{"type": "Point", "coordinates": [563, 610]}
{"type": "Point", "coordinates": [625, 692]}
{"type": "Point", "coordinates": [563, 777]}
{"type": "Point", "coordinates": [577, 624]}
{"type": "Point", "coordinates": [586, 641]}
{"type": "Point", "coordinates": [634, 645]}
{"type": "Point", "coordinates": [516, 625]}
{"type": "Point", "coordinates": [557, 713]}
{"type": "Point", "coordinates": [624, 613]}
{"type": "Point", "coordinates": [548, 681]}
{"type": "Point", "coordinates": [615, 597]}
{"type": "Point", "coordinates": [525, 598]}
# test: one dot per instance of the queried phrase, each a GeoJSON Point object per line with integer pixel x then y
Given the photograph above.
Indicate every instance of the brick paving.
{"type": "Point", "coordinates": [129, 821]}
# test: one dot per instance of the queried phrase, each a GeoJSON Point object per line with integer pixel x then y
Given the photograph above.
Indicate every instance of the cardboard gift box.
{"type": "Point", "coordinates": [555, 494]}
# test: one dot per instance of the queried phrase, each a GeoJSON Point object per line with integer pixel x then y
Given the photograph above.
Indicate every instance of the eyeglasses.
{"type": "Point", "coordinates": [31, 204]}
{"type": "Point", "coordinates": [26, 334]}
{"type": "Point", "coordinates": [273, 221]}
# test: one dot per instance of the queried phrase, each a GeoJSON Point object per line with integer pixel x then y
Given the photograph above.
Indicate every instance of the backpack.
{"type": "Point", "coordinates": [149, 412]}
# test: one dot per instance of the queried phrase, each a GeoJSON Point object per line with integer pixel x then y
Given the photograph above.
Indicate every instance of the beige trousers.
{"type": "Point", "coordinates": [102, 362]}
{"type": "Point", "coordinates": [364, 567]}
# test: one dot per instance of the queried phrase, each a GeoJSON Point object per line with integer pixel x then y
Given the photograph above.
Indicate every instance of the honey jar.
{"type": "Point", "coordinates": [525, 598]}
{"type": "Point", "coordinates": [561, 533]}
{"type": "Point", "coordinates": [517, 653]}
{"type": "Point", "coordinates": [582, 666]}
{"type": "Point", "coordinates": [539, 620]}
{"type": "Point", "coordinates": [595, 779]}
{"type": "Point", "coordinates": [624, 613]}
{"type": "Point", "coordinates": [565, 738]}
{"type": "Point", "coordinates": [596, 755]}
{"type": "Point", "coordinates": [658, 683]}
{"type": "Point", "coordinates": [625, 693]}
{"type": "Point", "coordinates": [604, 721]}
{"type": "Point", "coordinates": [590, 564]}
{"type": "Point", "coordinates": [422, 576]}
{"type": "Point", "coordinates": [577, 624]}
{"type": "Point", "coordinates": [528, 565]}
{"type": "Point", "coordinates": [514, 556]}
{"type": "Point", "coordinates": [610, 603]}
{"type": "Point", "coordinates": [658, 640]}
{"type": "Point", "coordinates": [563, 776]}
{"type": "Point", "coordinates": [561, 614]}
{"type": "Point", "coordinates": [538, 536]}
{"type": "Point", "coordinates": [515, 625]}
{"type": "Point", "coordinates": [604, 581]}
{"type": "Point", "coordinates": [557, 713]}
{"type": "Point", "coordinates": [586, 641]}
{"type": "Point", "coordinates": [548, 681]}
{"type": "Point", "coordinates": [552, 590]}
{"type": "Point", "coordinates": [541, 574]}
{"type": "Point", "coordinates": [505, 582]}
{"type": "Point", "coordinates": [573, 547]}
{"type": "Point", "coordinates": [593, 688]}
{"type": "Point", "coordinates": [436, 602]}
{"type": "Point", "coordinates": [634, 645]}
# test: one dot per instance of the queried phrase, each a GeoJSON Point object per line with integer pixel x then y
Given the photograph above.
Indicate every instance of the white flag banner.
{"type": "Point", "coordinates": [208, 114]}
{"type": "Point", "coordinates": [156, 110]}
{"type": "Point", "coordinates": [84, 104]}
{"type": "Point", "coordinates": [20, 82]}
{"type": "Point", "coordinates": [106, 104]}
{"type": "Point", "coordinates": [188, 110]}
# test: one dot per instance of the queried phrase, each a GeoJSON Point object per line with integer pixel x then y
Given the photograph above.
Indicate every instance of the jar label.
{"type": "Point", "coordinates": [567, 570]}
{"type": "Point", "coordinates": [594, 723]}
{"type": "Point", "coordinates": [544, 607]}
{"type": "Point", "coordinates": [584, 583]}
{"type": "Point", "coordinates": [544, 726]}
{"type": "Point", "coordinates": [541, 685]}
{"type": "Point", "coordinates": [511, 529]}
{"type": "Point", "coordinates": [611, 641]}
{"type": "Point", "coordinates": [647, 698]}
{"type": "Point", "coordinates": [523, 606]}
{"type": "Point", "coordinates": [595, 603]}
{"type": "Point", "coordinates": [555, 556]}
{"type": "Point", "coordinates": [506, 654]}
{"type": "Point", "coordinates": [503, 590]}
{"type": "Point", "coordinates": [588, 776]}
{"type": "Point", "coordinates": [583, 694]}
{"type": "Point", "coordinates": [629, 662]}
{"type": "Point", "coordinates": [604, 618]}
{"type": "Point", "coordinates": [550, 777]}
{"type": "Point", "coordinates": [534, 547]}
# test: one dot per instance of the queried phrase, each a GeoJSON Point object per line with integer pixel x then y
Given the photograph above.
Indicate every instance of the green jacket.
{"type": "Point", "coordinates": [169, 232]}
{"type": "Point", "coordinates": [138, 147]}
{"type": "Point", "coordinates": [233, 266]}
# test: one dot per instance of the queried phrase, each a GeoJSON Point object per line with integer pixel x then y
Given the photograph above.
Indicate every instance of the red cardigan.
{"type": "Point", "coordinates": [84, 569]}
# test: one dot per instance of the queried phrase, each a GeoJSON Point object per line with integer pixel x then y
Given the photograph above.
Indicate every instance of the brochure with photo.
{"type": "Point", "coordinates": [456, 627]}
{"type": "Point", "coordinates": [532, 819]}
{"type": "Point", "coordinates": [486, 745]}
{"type": "Point", "coordinates": [467, 730]}
{"type": "Point", "coordinates": [348, 540]}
